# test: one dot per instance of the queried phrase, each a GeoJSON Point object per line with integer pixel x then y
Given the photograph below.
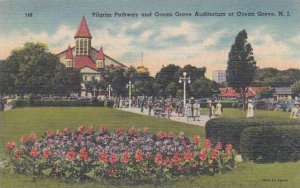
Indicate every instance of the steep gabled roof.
{"type": "Point", "coordinates": [81, 61]}
{"type": "Point", "coordinates": [69, 54]}
{"type": "Point", "coordinates": [83, 30]}
{"type": "Point", "coordinates": [100, 55]}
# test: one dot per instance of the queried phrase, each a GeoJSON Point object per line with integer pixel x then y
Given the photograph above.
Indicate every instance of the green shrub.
{"type": "Point", "coordinates": [228, 130]}
{"type": "Point", "coordinates": [21, 103]}
{"type": "Point", "coordinates": [271, 143]}
{"type": "Point", "coordinates": [109, 103]}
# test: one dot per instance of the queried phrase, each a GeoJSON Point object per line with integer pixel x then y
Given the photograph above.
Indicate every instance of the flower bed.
{"type": "Point", "coordinates": [129, 157]}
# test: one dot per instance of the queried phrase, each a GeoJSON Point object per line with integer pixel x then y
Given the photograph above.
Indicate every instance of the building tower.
{"type": "Point", "coordinates": [83, 39]}
{"type": "Point", "coordinates": [100, 61]}
{"type": "Point", "coordinates": [69, 58]}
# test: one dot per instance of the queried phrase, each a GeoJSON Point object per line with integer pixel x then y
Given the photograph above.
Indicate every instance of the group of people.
{"type": "Point", "coordinates": [214, 111]}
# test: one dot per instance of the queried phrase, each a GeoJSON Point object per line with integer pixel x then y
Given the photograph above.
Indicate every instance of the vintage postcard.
{"type": "Point", "coordinates": [148, 93]}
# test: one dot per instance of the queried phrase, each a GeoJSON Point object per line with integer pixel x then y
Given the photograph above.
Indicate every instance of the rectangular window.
{"type": "Point", "coordinates": [85, 78]}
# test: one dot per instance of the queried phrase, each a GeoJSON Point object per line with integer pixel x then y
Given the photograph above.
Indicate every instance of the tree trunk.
{"type": "Point", "coordinates": [243, 92]}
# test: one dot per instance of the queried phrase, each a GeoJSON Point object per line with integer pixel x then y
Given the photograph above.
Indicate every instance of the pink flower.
{"type": "Point", "coordinates": [32, 137]}
{"type": "Point", "coordinates": [138, 156]}
{"type": "Point", "coordinates": [119, 130]}
{"type": "Point", "coordinates": [188, 156]}
{"type": "Point", "coordinates": [196, 139]}
{"type": "Point", "coordinates": [10, 145]}
{"type": "Point", "coordinates": [34, 152]}
{"type": "Point", "coordinates": [70, 155]}
{"type": "Point", "coordinates": [214, 154]}
{"type": "Point", "coordinates": [103, 157]}
{"type": "Point", "coordinates": [158, 159]}
{"type": "Point", "coordinates": [17, 154]}
{"type": "Point", "coordinates": [81, 129]}
{"type": "Point", "coordinates": [125, 157]}
{"type": "Point", "coordinates": [67, 130]}
{"type": "Point", "coordinates": [46, 153]}
{"type": "Point", "coordinates": [207, 143]}
{"type": "Point", "coordinates": [83, 154]}
{"type": "Point", "coordinates": [218, 146]}
{"type": "Point", "coordinates": [49, 133]}
{"type": "Point", "coordinates": [113, 159]}
{"type": "Point", "coordinates": [203, 155]}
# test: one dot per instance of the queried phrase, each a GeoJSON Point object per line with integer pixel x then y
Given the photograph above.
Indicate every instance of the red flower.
{"type": "Point", "coordinates": [103, 157]}
{"type": "Point", "coordinates": [49, 133]}
{"type": "Point", "coordinates": [81, 129]}
{"type": "Point", "coordinates": [196, 139]}
{"type": "Point", "coordinates": [132, 132]}
{"type": "Point", "coordinates": [67, 130]}
{"type": "Point", "coordinates": [158, 159]}
{"type": "Point", "coordinates": [90, 131]}
{"type": "Point", "coordinates": [207, 143]}
{"type": "Point", "coordinates": [74, 136]}
{"type": "Point", "coordinates": [46, 153]}
{"type": "Point", "coordinates": [203, 155]}
{"type": "Point", "coordinates": [83, 154]}
{"type": "Point", "coordinates": [218, 146]}
{"type": "Point", "coordinates": [23, 140]}
{"type": "Point", "coordinates": [103, 130]}
{"type": "Point", "coordinates": [58, 133]}
{"type": "Point", "coordinates": [171, 135]}
{"type": "Point", "coordinates": [113, 159]}
{"type": "Point", "coordinates": [70, 155]}
{"type": "Point", "coordinates": [167, 163]}
{"type": "Point", "coordinates": [146, 129]}
{"type": "Point", "coordinates": [214, 154]}
{"type": "Point", "coordinates": [34, 152]}
{"type": "Point", "coordinates": [176, 158]}
{"type": "Point", "coordinates": [188, 156]}
{"type": "Point", "coordinates": [119, 130]}
{"type": "Point", "coordinates": [139, 156]}
{"type": "Point", "coordinates": [32, 137]}
{"type": "Point", "coordinates": [17, 154]}
{"type": "Point", "coordinates": [125, 157]}
{"type": "Point", "coordinates": [180, 168]}
{"type": "Point", "coordinates": [10, 145]}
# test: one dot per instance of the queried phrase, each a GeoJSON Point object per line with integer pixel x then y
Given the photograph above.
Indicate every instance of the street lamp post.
{"type": "Point", "coordinates": [129, 86]}
{"type": "Point", "coordinates": [184, 79]}
{"type": "Point", "coordinates": [109, 88]}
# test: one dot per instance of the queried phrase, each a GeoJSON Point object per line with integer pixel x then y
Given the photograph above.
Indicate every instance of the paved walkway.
{"type": "Point", "coordinates": [174, 117]}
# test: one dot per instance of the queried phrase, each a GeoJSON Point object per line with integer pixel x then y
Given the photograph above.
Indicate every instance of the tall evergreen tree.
{"type": "Point", "coordinates": [241, 65]}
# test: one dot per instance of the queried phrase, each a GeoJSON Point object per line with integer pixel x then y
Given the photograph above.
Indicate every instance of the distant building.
{"type": "Point", "coordinates": [219, 76]}
{"type": "Point", "coordinates": [90, 61]}
{"type": "Point", "coordinates": [282, 93]}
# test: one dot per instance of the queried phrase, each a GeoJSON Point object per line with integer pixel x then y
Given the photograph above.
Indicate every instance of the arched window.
{"type": "Point", "coordinates": [77, 47]}
{"type": "Point", "coordinates": [85, 47]}
{"type": "Point", "coordinates": [81, 47]}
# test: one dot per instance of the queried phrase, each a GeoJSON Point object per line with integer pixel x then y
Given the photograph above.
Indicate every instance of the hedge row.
{"type": "Point", "coordinates": [65, 103]}
{"type": "Point", "coordinates": [271, 143]}
{"type": "Point", "coordinates": [228, 131]}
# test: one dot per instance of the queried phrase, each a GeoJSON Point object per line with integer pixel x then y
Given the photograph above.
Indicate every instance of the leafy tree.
{"type": "Point", "coordinates": [167, 77]}
{"type": "Point", "coordinates": [296, 88]}
{"type": "Point", "coordinates": [276, 78]}
{"type": "Point", "coordinates": [32, 69]}
{"type": "Point", "coordinates": [241, 65]}
{"type": "Point", "coordinates": [90, 86]}
{"type": "Point", "coordinates": [203, 87]}
{"type": "Point", "coordinates": [265, 94]}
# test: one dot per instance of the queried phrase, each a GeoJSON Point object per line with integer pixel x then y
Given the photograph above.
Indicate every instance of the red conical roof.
{"type": "Point", "coordinates": [100, 55]}
{"type": "Point", "coordinates": [83, 30]}
{"type": "Point", "coordinates": [69, 54]}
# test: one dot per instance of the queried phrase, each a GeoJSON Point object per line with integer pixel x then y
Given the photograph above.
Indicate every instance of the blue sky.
{"type": "Point", "coordinates": [200, 41]}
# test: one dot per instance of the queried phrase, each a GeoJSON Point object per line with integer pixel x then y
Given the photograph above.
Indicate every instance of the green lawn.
{"type": "Point", "coordinates": [23, 121]}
